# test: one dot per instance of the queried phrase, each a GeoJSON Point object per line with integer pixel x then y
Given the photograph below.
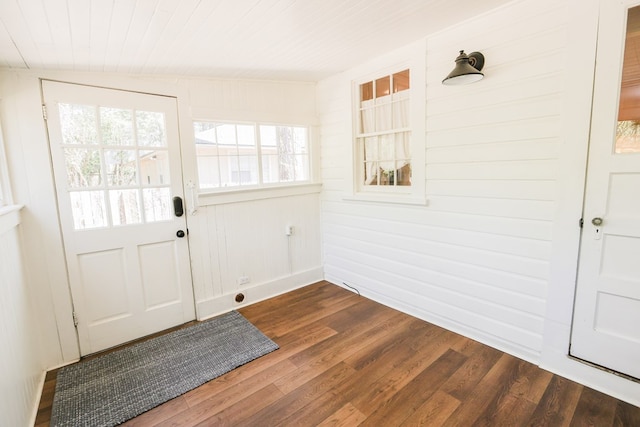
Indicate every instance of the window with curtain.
{"type": "Point", "coordinates": [384, 135]}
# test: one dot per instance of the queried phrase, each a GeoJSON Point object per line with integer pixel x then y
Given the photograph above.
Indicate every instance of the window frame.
{"type": "Point", "coordinates": [245, 192]}
{"type": "Point", "coordinates": [413, 194]}
{"type": "Point", "coordinates": [5, 189]}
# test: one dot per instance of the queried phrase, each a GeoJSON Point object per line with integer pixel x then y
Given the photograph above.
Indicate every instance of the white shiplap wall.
{"type": "Point", "coordinates": [476, 259]}
{"type": "Point", "coordinates": [20, 366]}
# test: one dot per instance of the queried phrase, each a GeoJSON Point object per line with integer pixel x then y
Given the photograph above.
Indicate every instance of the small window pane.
{"type": "Point", "coordinates": [157, 206]}
{"type": "Point", "coordinates": [246, 135]}
{"type": "Point", "coordinates": [125, 207]}
{"type": "Point", "coordinates": [628, 137]}
{"type": "Point", "coordinates": [154, 167]}
{"type": "Point", "coordinates": [121, 167]}
{"type": "Point", "coordinates": [78, 123]}
{"type": "Point", "coordinates": [401, 81]}
{"type": "Point", "coordinates": [302, 167]}
{"type": "Point", "coordinates": [83, 167]}
{"type": "Point", "coordinates": [300, 140]}
{"type": "Point", "coordinates": [88, 209]}
{"type": "Point", "coordinates": [226, 134]}
{"type": "Point", "coordinates": [269, 168]}
{"type": "Point", "coordinates": [208, 172]}
{"type": "Point", "coordinates": [247, 170]}
{"type": "Point", "coordinates": [116, 126]}
{"type": "Point", "coordinates": [267, 136]}
{"type": "Point", "coordinates": [151, 129]}
{"type": "Point", "coordinates": [227, 165]}
{"type": "Point", "coordinates": [366, 91]}
{"type": "Point", "coordinates": [383, 86]}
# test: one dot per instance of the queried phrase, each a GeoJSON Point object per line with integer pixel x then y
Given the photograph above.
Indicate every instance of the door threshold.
{"type": "Point", "coordinates": [604, 368]}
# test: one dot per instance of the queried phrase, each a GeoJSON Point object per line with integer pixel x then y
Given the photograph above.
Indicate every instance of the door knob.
{"type": "Point", "coordinates": [596, 221]}
{"type": "Point", "coordinates": [180, 233]}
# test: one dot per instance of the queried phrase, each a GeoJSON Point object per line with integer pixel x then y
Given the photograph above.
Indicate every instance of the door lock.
{"type": "Point", "coordinates": [596, 221]}
{"type": "Point", "coordinates": [180, 233]}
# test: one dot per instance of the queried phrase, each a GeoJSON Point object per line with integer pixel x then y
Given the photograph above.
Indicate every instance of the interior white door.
{"type": "Point", "coordinates": [606, 324]}
{"type": "Point", "coordinates": [117, 166]}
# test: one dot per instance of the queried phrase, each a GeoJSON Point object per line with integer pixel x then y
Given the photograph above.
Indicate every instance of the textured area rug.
{"type": "Point", "coordinates": [118, 386]}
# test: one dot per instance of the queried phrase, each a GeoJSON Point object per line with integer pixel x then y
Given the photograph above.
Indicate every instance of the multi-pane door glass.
{"type": "Point", "coordinates": [117, 164]}
{"type": "Point", "coordinates": [628, 129]}
{"type": "Point", "coordinates": [235, 155]}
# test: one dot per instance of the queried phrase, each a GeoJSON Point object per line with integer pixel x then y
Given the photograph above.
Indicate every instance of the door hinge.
{"type": "Point", "coordinates": [75, 319]}
{"type": "Point", "coordinates": [581, 222]}
{"type": "Point", "coordinates": [44, 111]}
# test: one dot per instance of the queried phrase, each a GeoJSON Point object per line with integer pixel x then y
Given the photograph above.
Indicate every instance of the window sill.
{"type": "Point", "coordinates": [9, 217]}
{"type": "Point", "coordinates": [387, 199]}
{"type": "Point", "coordinates": [236, 196]}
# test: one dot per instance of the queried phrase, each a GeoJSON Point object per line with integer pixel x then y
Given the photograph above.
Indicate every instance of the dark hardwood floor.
{"type": "Point", "coordinates": [345, 361]}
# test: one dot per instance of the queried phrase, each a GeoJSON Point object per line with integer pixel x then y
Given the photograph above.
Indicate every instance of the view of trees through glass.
{"type": "Point", "coordinates": [117, 164]}
{"type": "Point", "coordinates": [234, 155]}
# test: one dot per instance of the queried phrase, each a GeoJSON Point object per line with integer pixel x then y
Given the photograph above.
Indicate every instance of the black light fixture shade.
{"type": "Point", "coordinates": [467, 69]}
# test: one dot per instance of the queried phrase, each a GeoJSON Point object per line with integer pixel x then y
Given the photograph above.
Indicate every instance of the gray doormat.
{"type": "Point", "coordinates": [118, 386]}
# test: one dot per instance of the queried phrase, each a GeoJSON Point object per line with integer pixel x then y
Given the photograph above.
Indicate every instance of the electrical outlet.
{"type": "Point", "coordinates": [288, 230]}
{"type": "Point", "coordinates": [243, 280]}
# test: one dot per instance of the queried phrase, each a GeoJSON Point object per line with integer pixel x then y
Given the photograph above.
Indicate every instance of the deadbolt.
{"type": "Point", "coordinates": [596, 221]}
{"type": "Point", "coordinates": [180, 233]}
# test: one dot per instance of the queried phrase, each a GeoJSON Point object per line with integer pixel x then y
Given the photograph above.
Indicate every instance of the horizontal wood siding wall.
{"type": "Point", "coordinates": [476, 259]}
{"type": "Point", "coordinates": [20, 366]}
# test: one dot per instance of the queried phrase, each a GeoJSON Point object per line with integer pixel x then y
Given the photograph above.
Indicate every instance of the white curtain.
{"type": "Point", "coordinates": [386, 151]}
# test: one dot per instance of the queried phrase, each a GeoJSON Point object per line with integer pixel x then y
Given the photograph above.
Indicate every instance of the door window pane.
{"type": "Point", "coordinates": [78, 124]}
{"type": "Point", "coordinates": [89, 210]}
{"type": "Point", "coordinates": [125, 207]}
{"type": "Point", "coordinates": [121, 167]}
{"type": "Point", "coordinates": [116, 126]}
{"type": "Point", "coordinates": [154, 167]}
{"type": "Point", "coordinates": [150, 129]}
{"type": "Point", "coordinates": [157, 206]}
{"type": "Point", "coordinates": [628, 129]}
{"type": "Point", "coordinates": [83, 167]}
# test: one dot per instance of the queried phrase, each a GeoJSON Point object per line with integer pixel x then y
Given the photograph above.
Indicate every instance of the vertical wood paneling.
{"type": "Point", "coordinates": [20, 366]}
{"type": "Point", "coordinates": [477, 260]}
{"type": "Point", "coordinates": [247, 238]}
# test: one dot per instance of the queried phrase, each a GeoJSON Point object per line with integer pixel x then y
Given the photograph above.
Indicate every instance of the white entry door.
{"type": "Point", "coordinates": [606, 325]}
{"type": "Point", "coordinates": [116, 160]}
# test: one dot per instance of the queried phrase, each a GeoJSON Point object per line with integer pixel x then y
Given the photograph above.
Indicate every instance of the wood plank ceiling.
{"type": "Point", "coordinates": [266, 39]}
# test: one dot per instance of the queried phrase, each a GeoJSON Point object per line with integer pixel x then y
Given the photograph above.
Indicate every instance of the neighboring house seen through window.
{"type": "Point", "coordinates": [236, 155]}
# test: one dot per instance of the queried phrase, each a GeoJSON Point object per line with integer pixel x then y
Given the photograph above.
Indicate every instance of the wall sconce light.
{"type": "Point", "coordinates": [467, 69]}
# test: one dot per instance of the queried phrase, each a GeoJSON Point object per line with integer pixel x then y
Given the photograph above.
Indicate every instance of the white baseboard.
{"type": "Point", "coordinates": [36, 404]}
{"type": "Point", "coordinates": [224, 303]}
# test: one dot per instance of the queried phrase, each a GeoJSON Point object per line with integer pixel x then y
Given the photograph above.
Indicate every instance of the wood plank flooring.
{"type": "Point", "coordinates": [345, 360]}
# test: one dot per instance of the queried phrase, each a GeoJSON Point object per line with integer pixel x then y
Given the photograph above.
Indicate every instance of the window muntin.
{"type": "Point", "coordinates": [383, 138]}
{"type": "Point", "coordinates": [237, 155]}
{"type": "Point", "coordinates": [117, 164]}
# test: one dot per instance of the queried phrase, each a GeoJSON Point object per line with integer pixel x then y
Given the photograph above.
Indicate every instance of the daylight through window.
{"type": "Point", "coordinates": [384, 134]}
{"type": "Point", "coordinates": [231, 155]}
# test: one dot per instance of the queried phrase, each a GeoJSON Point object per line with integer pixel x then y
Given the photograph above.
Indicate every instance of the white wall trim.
{"type": "Point", "coordinates": [245, 195]}
{"type": "Point", "coordinates": [9, 217]}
